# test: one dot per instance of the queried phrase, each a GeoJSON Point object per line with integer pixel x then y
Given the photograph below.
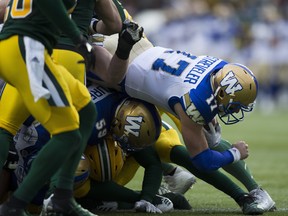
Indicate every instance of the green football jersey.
{"type": "Point", "coordinates": [42, 20]}
{"type": "Point", "coordinates": [81, 15]}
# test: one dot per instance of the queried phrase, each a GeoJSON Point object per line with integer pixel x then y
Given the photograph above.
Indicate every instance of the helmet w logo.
{"type": "Point", "coordinates": [232, 83]}
{"type": "Point", "coordinates": [134, 125]}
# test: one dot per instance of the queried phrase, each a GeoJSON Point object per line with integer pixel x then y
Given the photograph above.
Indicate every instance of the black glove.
{"type": "Point", "coordinates": [130, 34]}
{"type": "Point", "coordinates": [87, 51]}
{"type": "Point", "coordinates": [12, 159]}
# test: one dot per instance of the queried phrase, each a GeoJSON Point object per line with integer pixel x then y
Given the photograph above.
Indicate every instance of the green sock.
{"type": "Point", "coordinates": [6, 139]}
{"type": "Point", "coordinates": [179, 155]}
{"type": "Point", "coordinates": [53, 155]}
{"type": "Point", "coordinates": [66, 174]}
{"type": "Point", "coordinates": [167, 168]}
{"type": "Point", "coordinates": [238, 169]}
{"type": "Point", "coordinates": [111, 191]}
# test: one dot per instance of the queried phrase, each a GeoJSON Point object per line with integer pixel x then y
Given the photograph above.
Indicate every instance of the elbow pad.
{"type": "Point", "coordinates": [210, 160]}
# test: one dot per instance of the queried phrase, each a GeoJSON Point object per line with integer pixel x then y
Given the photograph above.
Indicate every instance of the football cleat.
{"type": "Point", "coordinates": [163, 189]}
{"type": "Point", "coordinates": [67, 207]}
{"type": "Point", "coordinates": [106, 206]}
{"type": "Point", "coordinates": [180, 182]}
{"type": "Point", "coordinates": [249, 205]}
{"type": "Point", "coordinates": [179, 201]}
{"type": "Point", "coordinates": [264, 200]}
{"type": "Point", "coordinates": [163, 203]}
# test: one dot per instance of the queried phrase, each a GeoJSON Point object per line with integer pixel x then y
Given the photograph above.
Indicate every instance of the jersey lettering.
{"type": "Point", "coordinates": [98, 93]}
{"type": "Point", "coordinates": [231, 82]}
{"type": "Point", "coordinates": [21, 8]}
{"type": "Point", "coordinates": [199, 69]}
{"type": "Point", "coordinates": [134, 125]}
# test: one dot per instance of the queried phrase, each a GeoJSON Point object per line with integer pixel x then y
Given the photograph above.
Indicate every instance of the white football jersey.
{"type": "Point", "coordinates": [164, 77]}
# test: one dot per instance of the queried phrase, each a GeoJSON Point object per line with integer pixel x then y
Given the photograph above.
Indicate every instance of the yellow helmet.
{"type": "Point", "coordinates": [82, 172]}
{"type": "Point", "coordinates": [236, 89]}
{"type": "Point", "coordinates": [136, 124]}
{"type": "Point", "coordinates": [106, 159]}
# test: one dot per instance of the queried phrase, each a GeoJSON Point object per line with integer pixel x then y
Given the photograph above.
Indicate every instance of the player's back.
{"type": "Point", "coordinates": [162, 76]}
{"type": "Point", "coordinates": [28, 19]}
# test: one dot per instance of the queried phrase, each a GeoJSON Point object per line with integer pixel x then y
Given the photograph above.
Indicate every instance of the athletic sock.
{"type": "Point", "coordinates": [168, 169]}
{"type": "Point", "coordinates": [239, 169]}
{"type": "Point", "coordinates": [66, 174]}
{"type": "Point", "coordinates": [6, 139]}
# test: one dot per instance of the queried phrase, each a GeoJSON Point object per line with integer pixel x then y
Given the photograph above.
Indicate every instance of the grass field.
{"type": "Point", "coordinates": [267, 136]}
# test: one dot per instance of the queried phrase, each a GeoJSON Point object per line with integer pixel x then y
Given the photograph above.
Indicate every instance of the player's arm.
{"type": "Point", "coordinates": [110, 21]}
{"type": "Point", "coordinates": [3, 5]}
{"type": "Point", "coordinates": [57, 13]}
{"type": "Point", "coordinates": [201, 156]}
{"type": "Point", "coordinates": [113, 69]}
{"type": "Point", "coordinates": [149, 160]}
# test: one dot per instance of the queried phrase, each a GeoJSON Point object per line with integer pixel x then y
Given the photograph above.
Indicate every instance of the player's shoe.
{"type": "Point", "coordinates": [163, 203]}
{"type": "Point", "coordinates": [65, 208]}
{"type": "Point", "coordinates": [179, 201]}
{"type": "Point", "coordinates": [106, 206]}
{"type": "Point", "coordinates": [180, 182]}
{"type": "Point", "coordinates": [263, 198]}
{"type": "Point", "coordinates": [249, 205]}
{"type": "Point", "coordinates": [5, 210]}
{"type": "Point", "coordinates": [163, 189]}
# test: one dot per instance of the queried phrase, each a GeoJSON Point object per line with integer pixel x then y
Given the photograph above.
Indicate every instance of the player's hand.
{"type": "Point", "coordinates": [145, 206]}
{"type": "Point", "coordinates": [11, 162]}
{"type": "Point", "coordinates": [242, 147]}
{"type": "Point", "coordinates": [87, 51]}
{"type": "Point", "coordinates": [212, 133]}
{"type": "Point", "coordinates": [130, 34]}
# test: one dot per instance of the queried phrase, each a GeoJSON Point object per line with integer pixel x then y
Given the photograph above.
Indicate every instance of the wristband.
{"type": "Point", "coordinates": [93, 25]}
{"type": "Point", "coordinates": [236, 154]}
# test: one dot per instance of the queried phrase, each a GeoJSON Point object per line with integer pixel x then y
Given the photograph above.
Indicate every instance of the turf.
{"type": "Point", "coordinates": [267, 136]}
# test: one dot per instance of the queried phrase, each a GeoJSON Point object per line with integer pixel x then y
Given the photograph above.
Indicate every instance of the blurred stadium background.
{"type": "Point", "coordinates": [253, 33]}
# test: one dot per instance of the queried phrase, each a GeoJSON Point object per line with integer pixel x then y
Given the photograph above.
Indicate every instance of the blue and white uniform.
{"type": "Point", "coordinates": [28, 141]}
{"type": "Point", "coordinates": [165, 77]}
{"type": "Point", "coordinates": [106, 102]}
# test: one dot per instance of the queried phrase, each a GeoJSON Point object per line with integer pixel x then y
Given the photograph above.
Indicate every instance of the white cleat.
{"type": "Point", "coordinates": [163, 203]}
{"type": "Point", "coordinates": [264, 200]}
{"type": "Point", "coordinates": [180, 182]}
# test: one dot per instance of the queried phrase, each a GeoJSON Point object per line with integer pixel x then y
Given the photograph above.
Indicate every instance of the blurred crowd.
{"type": "Point", "coordinates": [253, 33]}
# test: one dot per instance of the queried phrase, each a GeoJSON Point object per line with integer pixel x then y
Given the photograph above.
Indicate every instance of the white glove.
{"type": "Point", "coordinates": [213, 134]}
{"type": "Point", "coordinates": [145, 206]}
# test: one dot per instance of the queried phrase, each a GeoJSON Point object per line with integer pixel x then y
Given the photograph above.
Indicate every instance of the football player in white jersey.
{"type": "Point", "coordinates": [194, 89]}
{"type": "Point", "coordinates": [228, 97]}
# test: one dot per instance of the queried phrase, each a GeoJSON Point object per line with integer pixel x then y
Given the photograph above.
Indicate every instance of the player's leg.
{"type": "Point", "coordinates": [178, 154]}
{"type": "Point", "coordinates": [240, 171]}
{"type": "Point", "coordinates": [12, 114]}
{"type": "Point", "coordinates": [57, 115]}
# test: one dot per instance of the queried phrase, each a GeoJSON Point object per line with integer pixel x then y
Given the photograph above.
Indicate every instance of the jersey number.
{"type": "Point", "coordinates": [21, 8]}
{"type": "Point", "coordinates": [160, 64]}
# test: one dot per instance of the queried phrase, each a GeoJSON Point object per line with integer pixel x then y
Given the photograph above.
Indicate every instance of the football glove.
{"type": "Point", "coordinates": [145, 206]}
{"type": "Point", "coordinates": [87, 51]}
{"type": "Point", "coordinates": [11, 162]}
{"type": "Point", "coordinates": [213, 134]}
{"type": "Point", "coordinates": [130, 34]}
